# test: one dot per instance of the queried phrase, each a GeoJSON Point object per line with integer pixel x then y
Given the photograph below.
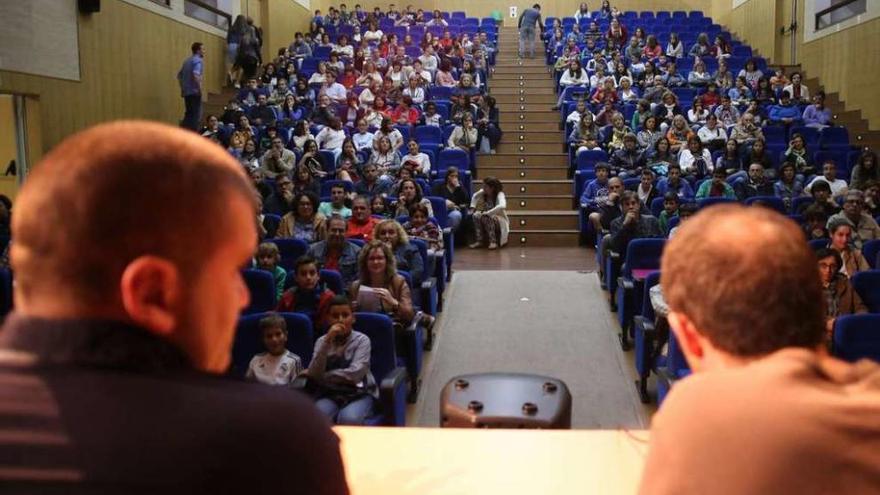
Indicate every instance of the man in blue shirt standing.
{"type": "Point", "coordinates": [190, 79]}
{"type": "Point", "coordinates": [526, 25]}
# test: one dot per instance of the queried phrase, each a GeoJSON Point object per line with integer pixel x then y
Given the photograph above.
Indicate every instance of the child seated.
{"type": "Point", "coordinates": [308, 295]}
{"type": "Point", "coordinates": [420, 227]}
{"type": "Point", "coordinates": [339, 374]}
{"type": "Point", "coordinates": [276, 366]}
{"type": "Point", "coordinates": [268, 257]}
{"type": "Point", "coordinates": [670, 210]}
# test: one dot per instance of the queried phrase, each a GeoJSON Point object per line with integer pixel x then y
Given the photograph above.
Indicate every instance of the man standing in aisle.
{"type": "Point", "coordinates": [190, 79]}
{"type": "Point", "coordinates": [526, 25]}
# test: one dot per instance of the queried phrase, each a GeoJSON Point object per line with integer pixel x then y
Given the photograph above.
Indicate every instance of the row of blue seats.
{"type": "Point", "coordinates": [853, 337]}
{"type": "Point", "coordinates": [662, 15]}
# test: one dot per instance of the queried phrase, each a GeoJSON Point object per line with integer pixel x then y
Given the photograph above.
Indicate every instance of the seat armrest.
{"type": "Point", "coordinates": [299, 383]}
{"type": "Point", "coordinates": [392, 397]}
{"type": "Point", "coordinates": [646, 325]}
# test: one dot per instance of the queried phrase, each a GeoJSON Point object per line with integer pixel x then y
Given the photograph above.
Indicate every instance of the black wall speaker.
{"type": "Point", "coordinates": [89, 6]}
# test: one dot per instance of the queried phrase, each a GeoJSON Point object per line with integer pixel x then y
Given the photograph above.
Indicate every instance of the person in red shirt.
{"type": "Point", "coordinates": [361, 223]}
{"type": "Point", "coordinates": [405, 113]}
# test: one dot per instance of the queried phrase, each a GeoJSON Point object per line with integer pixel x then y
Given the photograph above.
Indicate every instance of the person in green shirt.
{"type": "Point", "coordinates": [716, 187]}
{"type": "Point", "coordinates": [268, 257]}
{"type": "Point", "coordinates": [336, 206]}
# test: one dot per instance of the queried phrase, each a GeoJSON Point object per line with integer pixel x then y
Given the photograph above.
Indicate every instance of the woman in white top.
{"type": "Point", "coordinates": [799, 92]}
{"type": "Point", "coordinates": [387, 130]}
{"type": "Point", "coordinates": [320, 76]}
{"type": "Point", "coordinates": [414, 91]}
{"type": "Point", "coordinates": [583, 12]}
{"type": "Point", "coordinates": [387, 160]}
{"type": "Point", "coordinates": [697, 115]}
{"type": "Point", "coordinates": [712, 135]}
{"type": "Point", "coordinates": [689, 156]}
{"type": "Point", "coordinates": [331, 137]}
{"type": "Point", "coordinates": [343, 48]}
{"type": "Point", "coordinates": [396, 74]}
{"type": "Point", "coordinates": [575, 76]}
{"type": "Point", "coordinates": [464, 136]}
{"type": "Point", "coordinates": [415, 160]}
{"type": "Point", "coordinates": [699, 77]}
{"type": "Point", "coordinates": [625, 92]}
{"type": "Point", "coordinates": [674, 49]}
{"type": "Point", "coordinates": [374, 34]}
{"type": "Point", "coordinates": [489, 206]}
{"type": "Point", "coordinates": [368, 96]}
{"type": "Point", "coordinates": [370, 75]}
{"type": "Point", "coordinates": [363, 138]}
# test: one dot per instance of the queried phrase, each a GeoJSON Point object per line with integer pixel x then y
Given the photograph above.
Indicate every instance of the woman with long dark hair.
{"type": "Point", "coordinates": [489, 211]}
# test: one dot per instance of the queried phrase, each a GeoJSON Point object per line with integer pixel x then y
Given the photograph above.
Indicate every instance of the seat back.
{"type": "Point", "coordinates": [856, 337]}
{"type": "Point", "coordinates": [5, 292]}
{"type": "Point", "coordinates": [707, 202]}
{"type": "Point", "coordinates": [332, 279]}
{"type": "Point", "coordinates": [643, 254]}
{"type": "Point", "coordinates": [441, 213]}
{"type": "Point", "coordinates": [453, 157]}
{"type": "Point", "coordinates": [380, 330]}
{"type": "Point", "coordinates": [428, 134]}
{"type": "Point", "coordinates": [327, 185]}
{"type": "Point", "coordinates": [871, 250]}
{"type": "Point", "coordinates": [290, 250]}
{"type": "Point", "coordinates": [651, 280]}
{"type": "Point", "coordinates": [867, 285]}
{"type": "Point", "coordinates": [249, 340]}
{"type": "Point", "coordinates": [261, 286]}
{"type": "Point", "coordinates": [656, 206]}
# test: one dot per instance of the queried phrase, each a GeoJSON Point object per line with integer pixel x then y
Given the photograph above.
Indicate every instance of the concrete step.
{"type": "Point", "coordinates": [526, 85]}
{"type": "Point", "coordinates": [521, 91]}
{"type": "Point", "coordinates": [552, 187]}
{"type": "Point", "coordinates": [532, 202]}
{"type": "Point", "coordinates": [526, 116]}
{"type": "Point", "coordinates": [544, 220]}
{"type": "Point", "coordinates": [529, 137]}
{"type": "Point", "coordinates": [526, 107]}
{"type": "Point", "coordinates": [533, 173]}
{"type": "Point", "coordinates": [534, 126]}
{"type": "Point", "coordinates": [510, 60]}
{"type": "Point", "coordinates": [527, 147]}
{"type": "Point", "coordinates": [515, 69]}
{"type": "Point", "coordinates": [523, 76]}
{"type": "Point", "coordinates": [544, 238]}
{"type": "Point", "coordinates": [524, 160]}
{"type": "Point", "coordinates": [549, 99]}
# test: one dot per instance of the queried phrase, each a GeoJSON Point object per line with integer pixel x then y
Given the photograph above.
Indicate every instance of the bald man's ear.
{"type": "Point", "coordinates": [690, 340]}
{"type": "Point", "coordinates": [151, 294]}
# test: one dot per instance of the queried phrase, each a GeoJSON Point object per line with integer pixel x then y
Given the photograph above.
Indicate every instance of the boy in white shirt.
{"type": "Point", "coordinates": [363, 138]}
{"type": "Point", "coordinates": [829, 175]}
{"type": "Point", "coordinates": [276, 366]}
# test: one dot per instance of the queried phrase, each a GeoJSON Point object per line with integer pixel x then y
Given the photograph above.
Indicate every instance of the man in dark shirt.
{"type": "Point", "coordinates": [633, 224]}
{"type": "Point", "coordinates": [126, 307]}
{"type": "Point", "coordinates": [262, 114]}
{"type": "Point", "coordinates": [756, 185]}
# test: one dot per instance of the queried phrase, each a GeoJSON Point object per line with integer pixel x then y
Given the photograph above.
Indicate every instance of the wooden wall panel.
{"type": "Point", "coordinates": [845, 62]}
{"type": "Point", "coordinates": [129, 59]}
{"type": "Point", "coordinates": [281, 20]}
{"type": "Point", "coordinates": [848, 63]}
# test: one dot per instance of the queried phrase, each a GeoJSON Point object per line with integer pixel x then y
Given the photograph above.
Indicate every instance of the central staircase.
{"type": "Point", "coordinates": [531, 159]}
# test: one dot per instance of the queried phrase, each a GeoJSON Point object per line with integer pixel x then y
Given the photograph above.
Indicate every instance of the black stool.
{"type": "Point", "coordinates": [505, 400]}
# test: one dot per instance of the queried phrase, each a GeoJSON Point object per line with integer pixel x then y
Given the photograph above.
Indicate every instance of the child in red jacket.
{"type": "Point", "coordinates": [307, 295]}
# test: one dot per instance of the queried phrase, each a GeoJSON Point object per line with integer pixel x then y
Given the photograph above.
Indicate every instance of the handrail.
{"type": "Point", "coordinates": [213, 10]}
{"type": "Point", "coordinates": [831, 9]}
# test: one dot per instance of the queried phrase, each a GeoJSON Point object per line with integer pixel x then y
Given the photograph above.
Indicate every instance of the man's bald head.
{"type": "Point", "coordinates": [746, 279]}
{"type": "Point", "coordinates": [111, 194]}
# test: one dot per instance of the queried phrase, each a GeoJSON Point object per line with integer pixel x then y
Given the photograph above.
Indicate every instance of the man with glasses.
{"type": "Point", "coordinates": [336, 253]}
{"type": "Point", "coordinates": [279, 202]}
{"type": "Point", "coordinates": [865, 228]}
{"type": "Point", "coordinates": [277, 160]}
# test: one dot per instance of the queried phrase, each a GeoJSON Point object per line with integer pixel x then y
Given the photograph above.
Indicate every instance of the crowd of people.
{"type": "Point", "coordinates": [329, 132]}
{"type": "Point", "coordinates": [655, 166]}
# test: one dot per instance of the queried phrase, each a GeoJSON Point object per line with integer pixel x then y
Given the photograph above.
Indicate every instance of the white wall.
{"type": "Point", "coordinates": [40, 37]}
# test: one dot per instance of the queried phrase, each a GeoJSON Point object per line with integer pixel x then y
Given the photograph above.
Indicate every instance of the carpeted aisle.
{"type": "Point", "coordinates": [554, 323]}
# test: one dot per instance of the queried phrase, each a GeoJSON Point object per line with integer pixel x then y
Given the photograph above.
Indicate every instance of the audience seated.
{"type": "Point", "coordinates": [829, 176]}
{"type": "Point", "coordinates": [633, 224]}
{"type": "Point", "coordinates": [339, 374]}
{"type": "Point", "coordinates": [303, 221]}
{"type": "Point", "coordinates": [276, 366]}
{"type": "Point", "coordinates": [840, 297]}
{"type": "Point", "coordinates": [267, 258]}
{"type": "Point", "coordinates": [489, 213]}
{"type": "Point", "coordinates": [337, 253]}
{"type": "Point", "coordinates": [841, 231]}
{"type": "Point", "coordinates": [865, 228]}
{"type": "Point", "coordinates": [755, 185]}
{"type": "Point", "coordinates": [717, 186]}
